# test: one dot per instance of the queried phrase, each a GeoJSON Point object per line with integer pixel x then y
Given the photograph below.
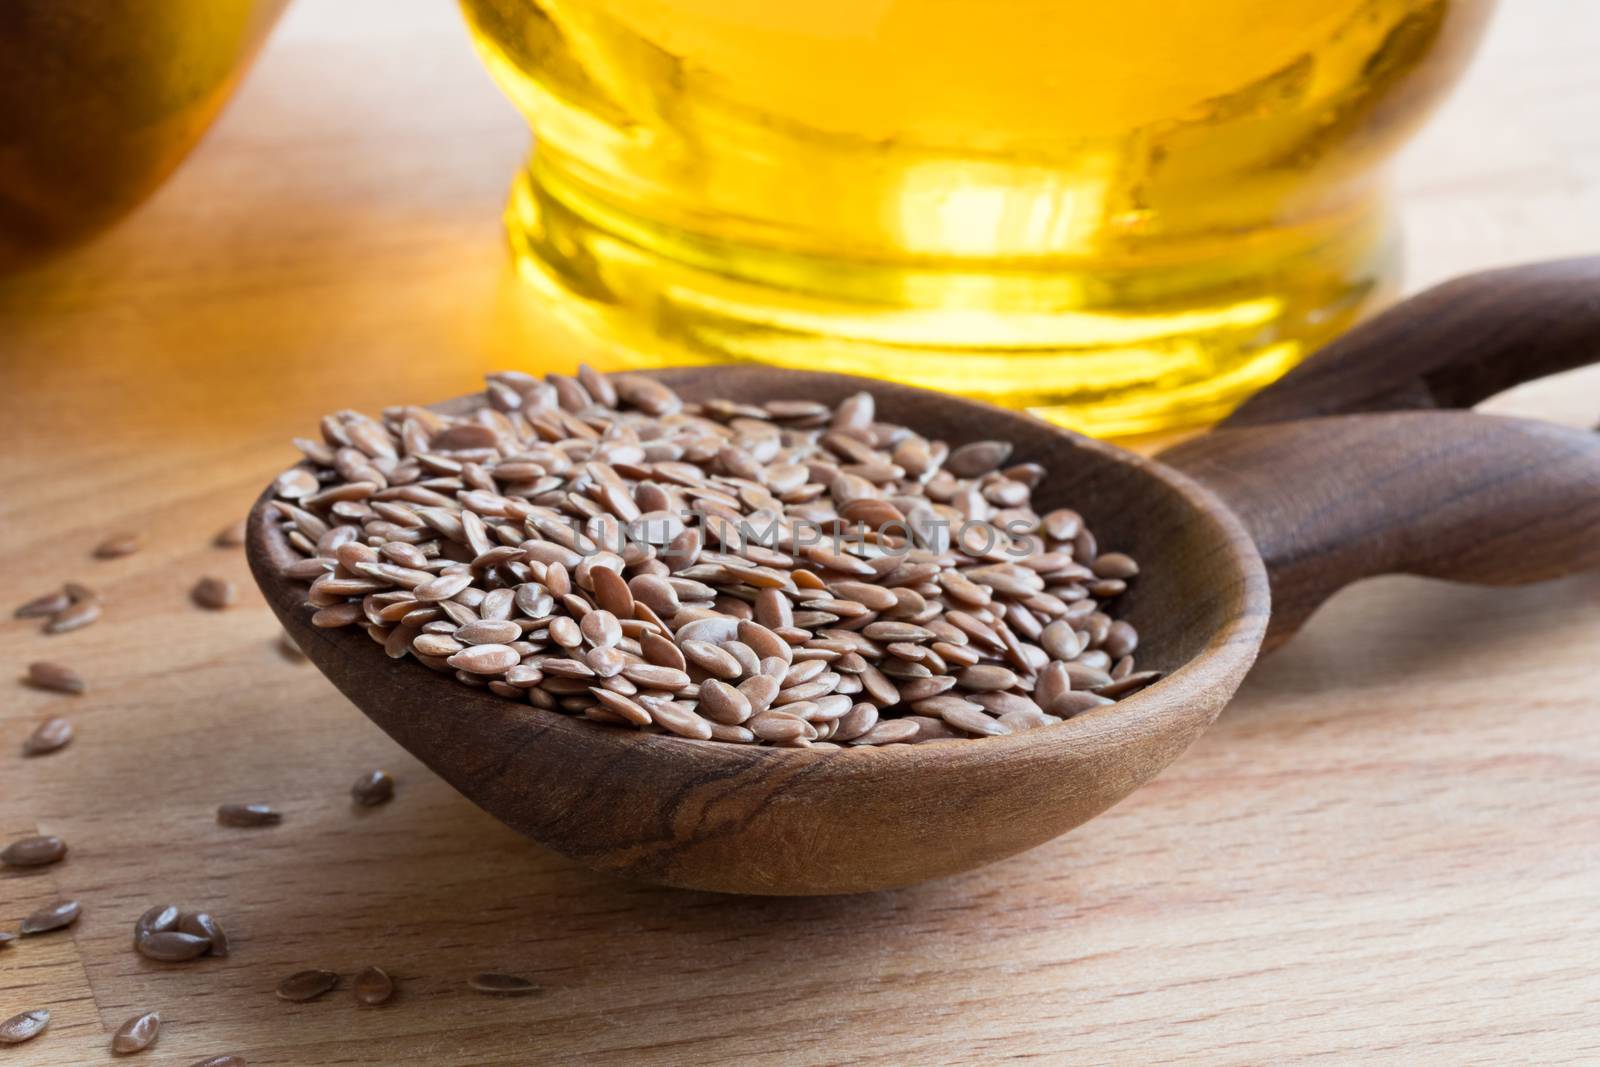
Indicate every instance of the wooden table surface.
{"type": "Point", "coordinates": [1389, 847]}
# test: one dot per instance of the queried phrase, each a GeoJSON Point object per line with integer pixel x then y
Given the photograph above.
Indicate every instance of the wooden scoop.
{"type": "Point", "coordinates": [1331, 475]}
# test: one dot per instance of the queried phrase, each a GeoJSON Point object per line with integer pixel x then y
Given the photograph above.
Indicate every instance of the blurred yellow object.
{"type": "Point", "coordinates": [101, 99]}
{"type": "Point", "coordinates": [1125, 214]}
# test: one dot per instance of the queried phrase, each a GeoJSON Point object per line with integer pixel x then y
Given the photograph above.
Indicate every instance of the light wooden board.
{"type": "Point", "coordinates": [1389, 847]}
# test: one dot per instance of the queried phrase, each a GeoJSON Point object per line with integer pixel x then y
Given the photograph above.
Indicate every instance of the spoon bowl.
{"type": "Point", "coordinates": [744, 819]}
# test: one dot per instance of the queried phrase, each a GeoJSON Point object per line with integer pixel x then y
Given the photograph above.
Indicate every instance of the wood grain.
{"type": "Point", "coordinates": [1388, 847]}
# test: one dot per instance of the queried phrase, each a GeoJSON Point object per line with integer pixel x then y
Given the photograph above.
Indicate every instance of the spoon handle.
{"type": "Point", "coordinates": [1346, 469]}
{"type": "Point", "coordinates": [1454, 495]}
{"type": "Point", "coordinates": [1447, 347]}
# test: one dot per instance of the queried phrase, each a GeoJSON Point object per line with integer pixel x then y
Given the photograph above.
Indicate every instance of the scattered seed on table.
{"type": "Point", "coordinates": [137, 1034]}
{"type": "Point", "coordinates": [203, 924]}
{"type": "Point", "coordinates": [504, 985]}
{"type": "Point", "coordinates": [43, 606]}
{"type": "Point", "coordinates": [157, 919]}
{"type": "Point", "coordinates": [248, 815]}
{"type": "Point", "coordinates": [373, 986]}
{"type": "Point", "coordinates": [56, 677]}
{"type": "Point", "coordinates": [6, 937]}
{"type": "Point", "coordinates": [37, 851]}
{"type": "Point", "coordinates": [306, 985]}
{"type": "Point", "coordinates": [24, 1027]}
{"type": "Point", "coordinates": [230, 536]}
{"type": "Point", "coordinates": [117, 546]}
{"type": "Point", "coordinates": [213, 593]}
{"type": "Point", "coordinates": [220, 1061]}
{"type": "Point", "coordinates": [74, 617]}
{"type": "Point", "coordinates": [55, 916]}
{"type": "Point", "coordinates": [372, 789]}
{"type": "Point", "coordinates": [52, 734]}
{"type": "Point", "coordinates": [83, 607]}
{"type": "Point", "coordinates": [171, 946]}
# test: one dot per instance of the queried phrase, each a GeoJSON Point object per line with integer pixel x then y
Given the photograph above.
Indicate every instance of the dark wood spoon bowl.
{"type": "Point", "coordinates": [1305, 505]}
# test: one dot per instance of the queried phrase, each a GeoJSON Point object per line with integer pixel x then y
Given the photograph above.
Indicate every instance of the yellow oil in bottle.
{"type": "Point", "coordinates": [1125, 215]}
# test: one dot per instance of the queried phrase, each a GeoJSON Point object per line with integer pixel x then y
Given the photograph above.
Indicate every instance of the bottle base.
{"type": "Point", "coordinates": [1151, 350]}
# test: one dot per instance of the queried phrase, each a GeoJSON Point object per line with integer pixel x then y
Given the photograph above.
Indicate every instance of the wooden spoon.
{"type": "Point", "coordinates": [1306, 505]}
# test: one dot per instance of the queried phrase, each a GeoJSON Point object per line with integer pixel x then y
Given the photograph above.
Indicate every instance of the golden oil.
{"type": "Point", "coordinates": [1124, 215]}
